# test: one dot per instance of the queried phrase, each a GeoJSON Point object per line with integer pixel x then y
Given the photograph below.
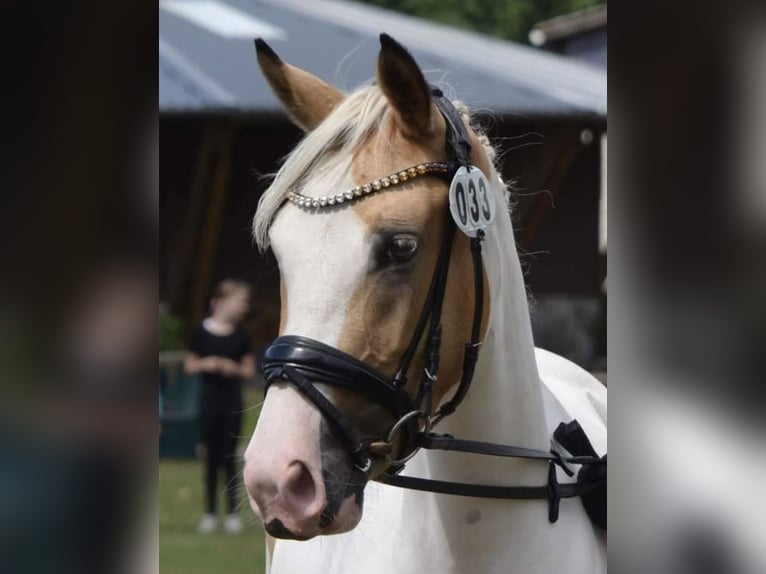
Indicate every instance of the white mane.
{"type": "Point", "coordinates": [334, 140]}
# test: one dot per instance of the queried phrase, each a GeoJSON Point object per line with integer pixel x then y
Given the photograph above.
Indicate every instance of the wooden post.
{"type": "Point", "coordinates": [213, 218]}
{"type": "Point", "coordinates": [186, 242]}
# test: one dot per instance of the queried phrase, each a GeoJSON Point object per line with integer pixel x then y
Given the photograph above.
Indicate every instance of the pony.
{"type": "Point", "coordinates": [354, 277]}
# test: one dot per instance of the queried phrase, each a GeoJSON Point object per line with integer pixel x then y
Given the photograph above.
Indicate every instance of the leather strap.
{"type": "Point", "coordinates": [433, 441]}
{"type": "Point", "coordinates": [435, 292]}
{"type": "Point", "coordinates": [553, 492]}
{"type": "Point", "coordinates": [354, 445]}
{"type": "Point", "coordinates": [321, 363]}
{"type": "Point", "coordinates": [471, 353]}
{"type": "Point", "coordinates": [465, 489]}
{"type": "Point", "coordinates": [433, 344]}
{"type": "Point", "coordinates": [458, 140]}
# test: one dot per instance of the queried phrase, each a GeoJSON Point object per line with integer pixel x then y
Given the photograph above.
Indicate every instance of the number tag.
{"type": "Point", "coordinates": [470, 200]}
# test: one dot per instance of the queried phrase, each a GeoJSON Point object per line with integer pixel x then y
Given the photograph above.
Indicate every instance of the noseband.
{"type": "Point", "coordinates": [304, 363]}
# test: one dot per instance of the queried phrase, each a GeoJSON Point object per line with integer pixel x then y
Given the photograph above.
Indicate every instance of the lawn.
{"type": "Point", "coordinates": [182, 550]}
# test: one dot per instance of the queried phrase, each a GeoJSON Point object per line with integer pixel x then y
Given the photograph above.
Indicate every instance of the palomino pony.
{"type": "Point", "coordinates": [358, 220]}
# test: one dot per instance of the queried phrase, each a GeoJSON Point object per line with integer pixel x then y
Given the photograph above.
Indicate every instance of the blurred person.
{"type": "Point", "coordinates": [220, 351]}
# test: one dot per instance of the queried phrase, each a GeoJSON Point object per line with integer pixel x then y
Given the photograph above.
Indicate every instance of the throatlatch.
{"type": "Point", "coordinates": [305, 362]}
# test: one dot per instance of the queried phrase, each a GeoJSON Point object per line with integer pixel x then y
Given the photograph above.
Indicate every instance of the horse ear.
{"type": "Point", "coordinates": [307, 99]}
{"type": "Point", "coordinates": [403, 84]}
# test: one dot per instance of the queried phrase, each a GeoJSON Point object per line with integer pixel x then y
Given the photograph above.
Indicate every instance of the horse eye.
{"type": "Point", "coordinates": [402, 248]}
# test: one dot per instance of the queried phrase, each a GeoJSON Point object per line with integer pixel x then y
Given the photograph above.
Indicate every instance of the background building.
{"type": "Point", "coordinates": [580, 35]}
{"type": "Point", "coordinates": [221, 130]}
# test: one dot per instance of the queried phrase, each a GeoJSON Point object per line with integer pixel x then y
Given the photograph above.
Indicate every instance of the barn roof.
{"type": "Point", "coordinates": [207, 60]}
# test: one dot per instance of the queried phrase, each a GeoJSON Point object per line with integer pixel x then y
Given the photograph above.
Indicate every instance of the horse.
{"type": "Point", "coordinates": [357, 234]}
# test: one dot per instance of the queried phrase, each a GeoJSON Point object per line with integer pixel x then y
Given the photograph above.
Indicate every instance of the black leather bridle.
{"type": "Point", "coordinates": [304, 363]}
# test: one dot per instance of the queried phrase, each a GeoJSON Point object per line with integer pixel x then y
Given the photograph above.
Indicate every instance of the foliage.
{"type": "Point", "coordinates": [182, 550]}
{"type": "Point", "coordinates": [509, 19]}
{"type": "Point", "coordinates": [171, 332]}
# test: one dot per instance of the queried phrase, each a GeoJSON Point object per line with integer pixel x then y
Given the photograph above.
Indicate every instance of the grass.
{"type": "Point", "coordinates": [182, 550]}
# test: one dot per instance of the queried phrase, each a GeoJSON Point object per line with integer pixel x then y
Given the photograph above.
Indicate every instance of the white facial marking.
{"type": "Point", "coordinates": [323, 258]}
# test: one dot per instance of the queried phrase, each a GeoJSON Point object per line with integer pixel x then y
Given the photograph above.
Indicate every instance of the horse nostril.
{"type": "Point", "coordinates": [299, 490]}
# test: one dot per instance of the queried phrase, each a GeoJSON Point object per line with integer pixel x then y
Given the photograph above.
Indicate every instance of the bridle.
{"type": "Point", "coordinates": [304, 363]}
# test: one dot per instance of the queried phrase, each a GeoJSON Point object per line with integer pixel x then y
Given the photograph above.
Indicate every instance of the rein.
{"type": "Point", "coordinates": [304, 362]}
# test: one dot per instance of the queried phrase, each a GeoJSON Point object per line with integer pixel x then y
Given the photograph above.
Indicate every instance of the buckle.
{"type": "Point", "coordinates": [554, 494]}
{"type": "Point", "coordinates": [558, 460]}
{"type": "Point", "coordinates": [365, 468]}
{"type": "Point", "coordinates": [397, 426]}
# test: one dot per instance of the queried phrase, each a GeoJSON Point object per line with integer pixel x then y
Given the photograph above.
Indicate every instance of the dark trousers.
{"type": "Point", "coordinates": [220, 434]}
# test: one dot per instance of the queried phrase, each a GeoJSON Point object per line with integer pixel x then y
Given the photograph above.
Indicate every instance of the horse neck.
{"type": "Point", "coordinates": [504, 403]}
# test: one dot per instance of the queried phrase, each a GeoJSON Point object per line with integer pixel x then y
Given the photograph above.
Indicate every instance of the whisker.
{"type": "Point", "coordinates": [252, 408]}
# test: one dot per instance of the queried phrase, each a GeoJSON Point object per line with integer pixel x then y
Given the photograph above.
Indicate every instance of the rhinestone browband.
{"type": "Point", "coordinates": [363, 190]}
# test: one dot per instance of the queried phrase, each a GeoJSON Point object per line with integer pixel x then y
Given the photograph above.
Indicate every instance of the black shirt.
{"type": "Point", "coordinates": [219, 392]}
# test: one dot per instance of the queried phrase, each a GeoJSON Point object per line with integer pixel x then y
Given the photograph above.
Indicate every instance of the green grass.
{"type": "Point", "coordinates": [182, 550]}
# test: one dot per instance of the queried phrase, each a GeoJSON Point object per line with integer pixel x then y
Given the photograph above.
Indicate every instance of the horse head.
{"type": "Point", "coordinates": [356, 218]}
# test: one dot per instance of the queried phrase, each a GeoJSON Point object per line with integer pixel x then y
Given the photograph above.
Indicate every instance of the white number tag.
{"type": "Point", "coordinates": [470, 200]}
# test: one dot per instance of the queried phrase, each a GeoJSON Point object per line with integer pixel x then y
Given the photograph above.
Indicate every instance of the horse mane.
{"type": "Point", "coordinates": [334, 140]}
